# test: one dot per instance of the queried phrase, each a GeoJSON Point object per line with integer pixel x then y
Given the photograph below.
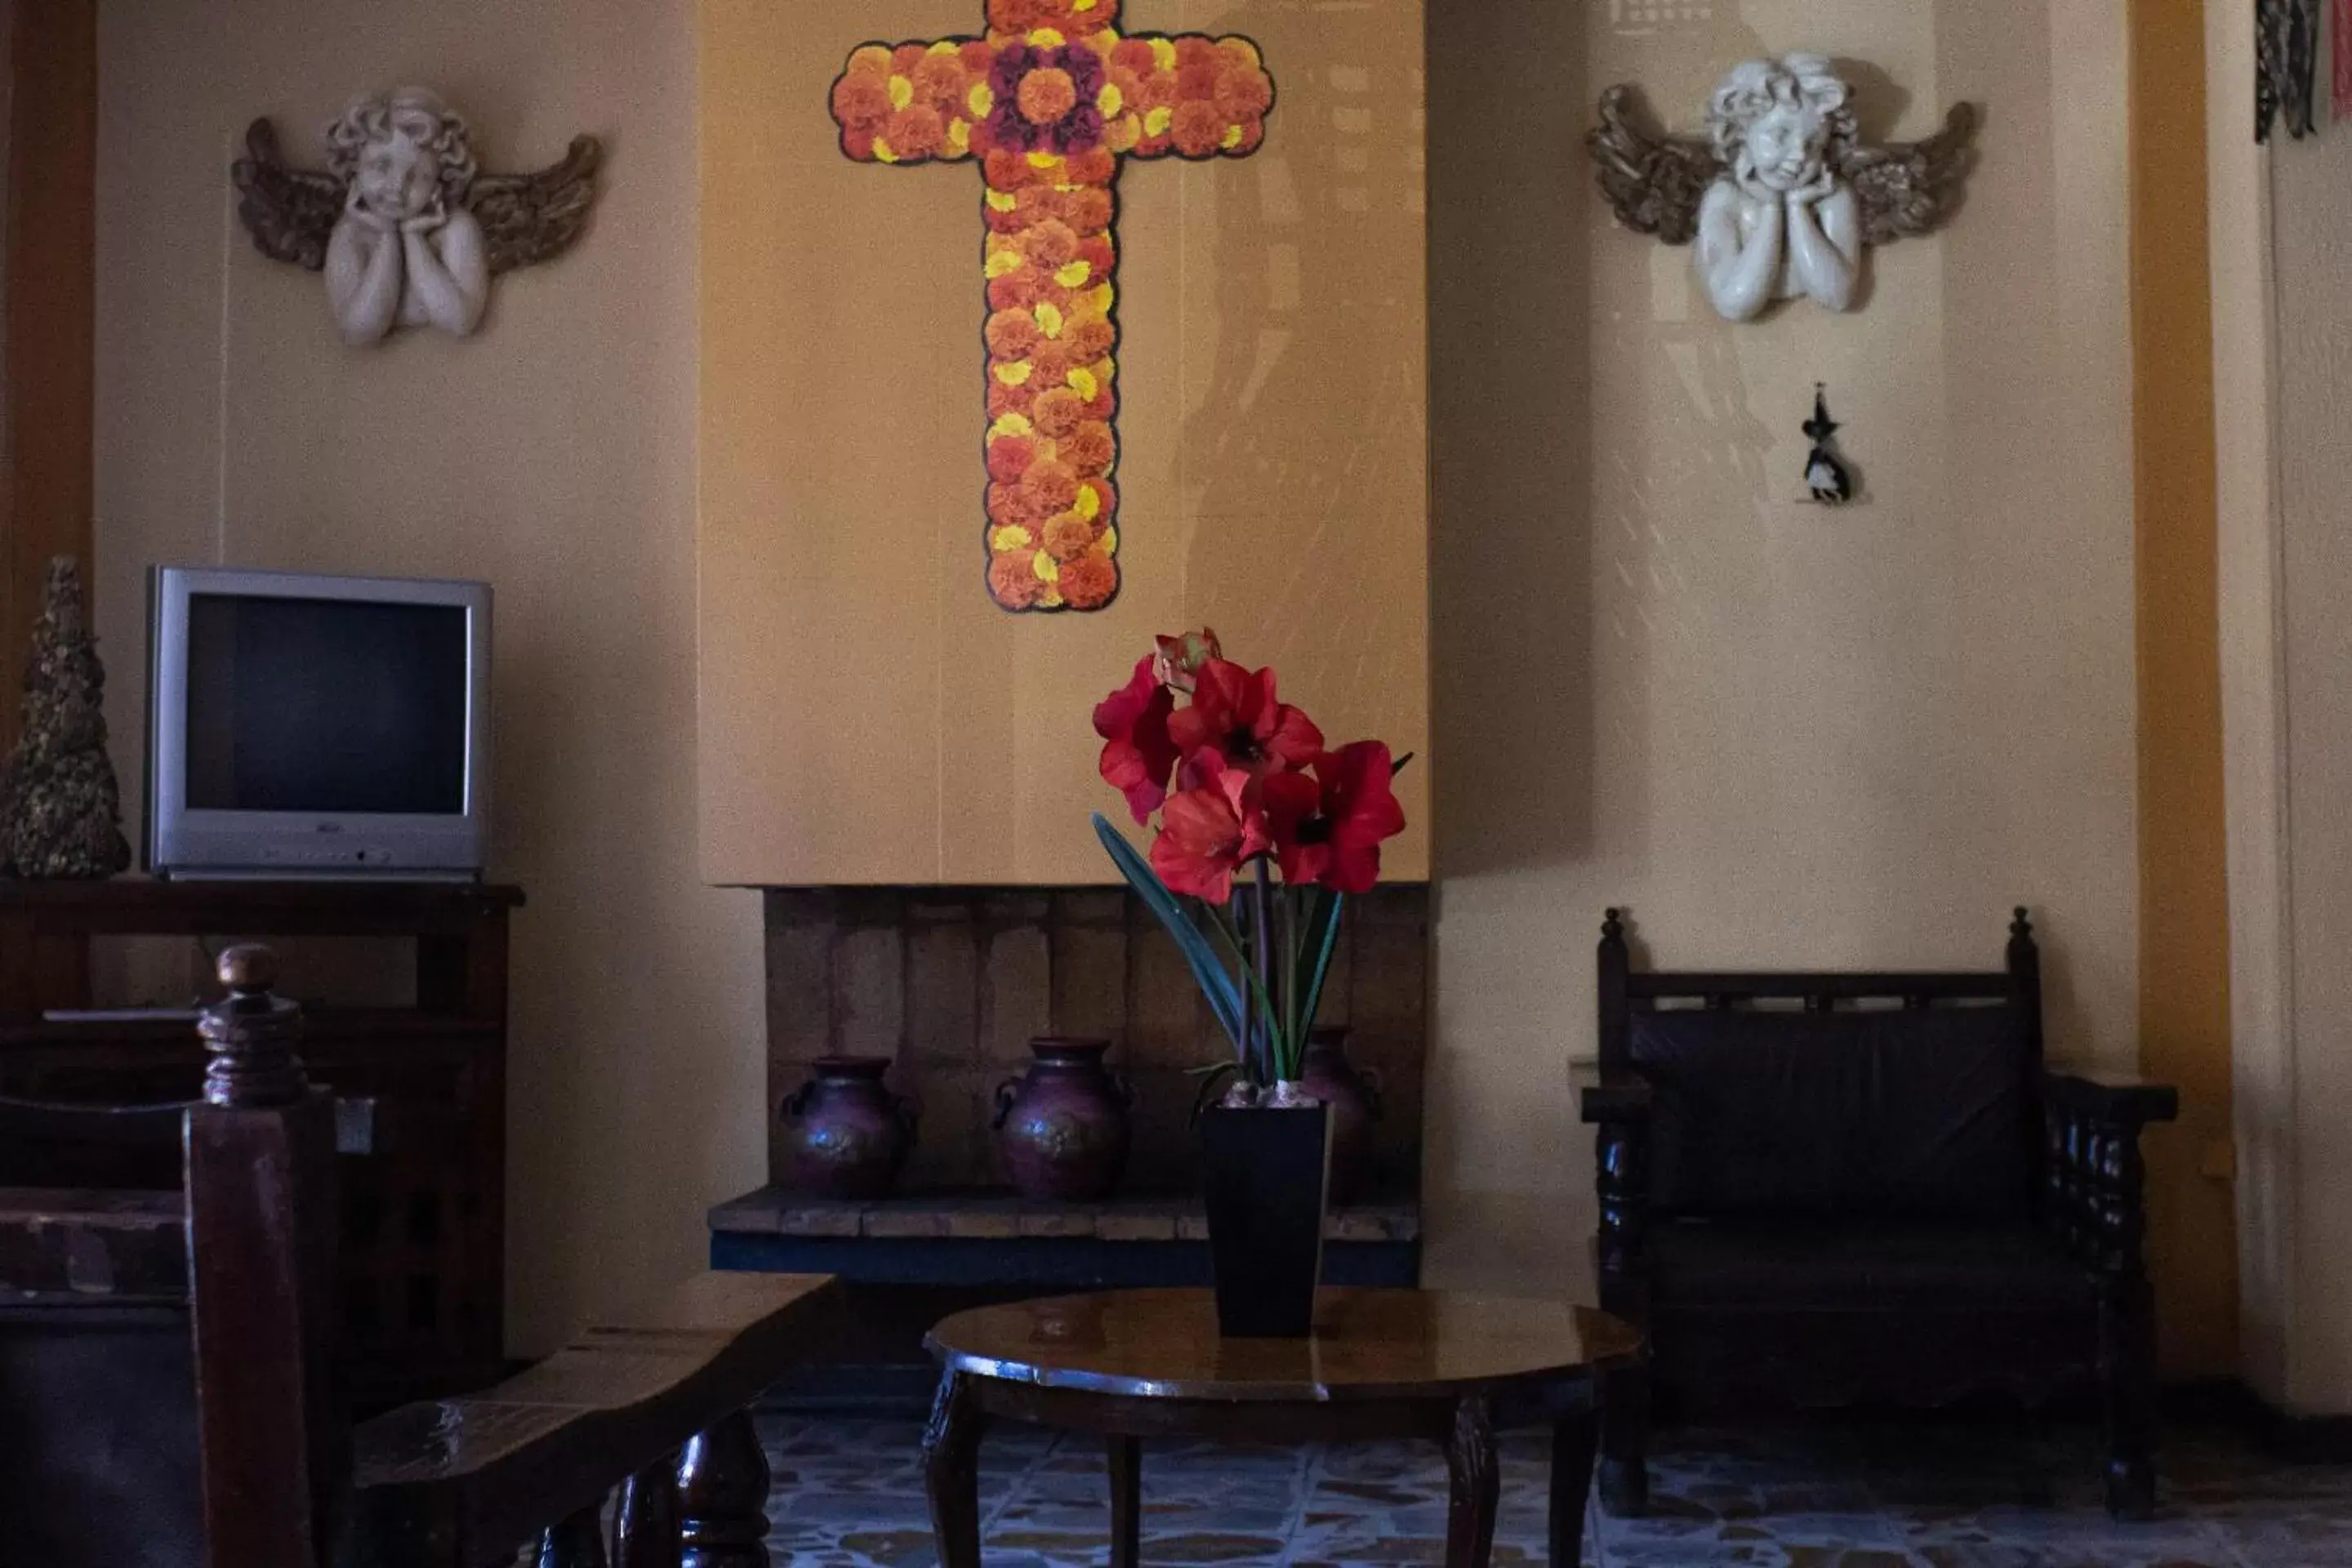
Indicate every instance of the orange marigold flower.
{"type": "Point", "coordinates": [1097, 253]}
{"type": "Point", "coordinates": [1088, 210]}
{"type": "Point", "coordinates": [1004, 223]}
{"type": "Point", "coordinates": [1009, 457]}
{"type": "Point", "coordinates": [1089, 449]}
{"type": "Point", "coordinates": [1057, 413]}
{"type": "Point", "coordinates": [857, 144]}
{"type": "Point", "coordinates": [941, 82]}
{"type": "Point", "coordinates": [1016, 291]}
{"type": "Point", "coordinates": [1243, 94]}
{"type": "Point", "coordinates": [1004, 399]}
{"type": "Point", "coordinates": [1049, 244]}
{"type": "Point", "coordinates": [1069, 536]}
{"type": "Point", "coordinates": [1253, 132]}
{"type": "Point", "coordinates": [1197, 81]}
{"type": "Point", "coordinates": [1050, 365]}
{"type": "Point", "coordinates": [1107, 495]}
{"type": "Point", "coordinates": [1047, 95]}
{"type": "Point", "coordinates": [1134, 54]}
{"type": "Point", "coordinates": [1159, 90]}
{"type": "Point", "coordinates": [1198, 129]}
{"type": "Point", "coordinates": [1092, 167]}
{"type": "Point", "coordinates": [1036, 204]}
{"type": "Point", "coordinates": [861, 101]}
{"type": "Point", "coordinates": [1051, 485]}
{"type": "Point", "coordinates": [870, 59]}
{"type": "Point", "coordinates": [916, 132]}
{"type": "Point", "coordinates": [977, 55]}
{"type": "Point", "coordinates": [1088, 583]}
{"type": "Point", "coordinates": [1006, 171]}
{"type": "Point", "coordinates": [907, 56]}
{"type": "Point", "coordinates": [1195, 49]}
{"type": "Point", "coordinates": [1017, 506]}
{"type": "Point", "coordinates": [1012, 582]}
{"type": "Point", "coordinates": [1012, 334]}
{"type": "Point", "coordinates": [1090, 339]}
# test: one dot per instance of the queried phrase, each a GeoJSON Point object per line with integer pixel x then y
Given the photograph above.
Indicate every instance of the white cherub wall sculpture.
{"type": "Point", "coordinates": [407, 231]}
{"type": "Point", "coordinates": [1782, 196]}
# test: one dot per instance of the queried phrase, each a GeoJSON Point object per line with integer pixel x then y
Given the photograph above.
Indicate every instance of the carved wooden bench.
{"type": "Point", "coordinates": [205, 1316]}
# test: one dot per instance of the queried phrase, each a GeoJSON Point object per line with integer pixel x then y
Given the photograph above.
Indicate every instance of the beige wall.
{"type": "Point", "coordinates": [2282, 332]}
{"type": "Point", "coordinates": [1778, 734]}
{"type": "Point", "coordinates": [553, 456]}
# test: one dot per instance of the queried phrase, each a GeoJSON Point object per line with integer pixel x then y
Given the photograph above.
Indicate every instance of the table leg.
{"type": "Point", "coordinates": [722, 1497]}
{"type": "Point", "coordinates": [1126, 1502]}
{"type": "Point", "coordinates": [1476, 1484]}
{"type": "Point", "coordinates": [951, 1471]}
{"type": "Point", "coordinates": [1573, 1443]}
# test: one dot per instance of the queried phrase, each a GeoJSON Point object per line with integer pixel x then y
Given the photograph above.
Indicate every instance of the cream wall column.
{"type": "Point", "coordinates": [2282, 362]}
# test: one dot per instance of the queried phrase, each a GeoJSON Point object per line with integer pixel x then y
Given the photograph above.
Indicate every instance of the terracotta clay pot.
{"type": "Point", "coordinates": [846, 1135]}
{"type": "Point", "coordinates": [1354, 1096]}
{"type": "Point", "coordinates": [1064, 1127]}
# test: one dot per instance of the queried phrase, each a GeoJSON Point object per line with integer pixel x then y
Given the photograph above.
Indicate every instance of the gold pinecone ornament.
{"type": "Point", "coordinates": [60, 808]}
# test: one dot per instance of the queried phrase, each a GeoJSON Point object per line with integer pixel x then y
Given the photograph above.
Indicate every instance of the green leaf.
{"type": "Point", "coordinates": [1322, 940]}
{"type": "Point", "coordinates": [1224, 998]}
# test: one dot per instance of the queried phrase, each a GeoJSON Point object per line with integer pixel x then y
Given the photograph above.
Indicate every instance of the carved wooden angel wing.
{"type": "Point", "coordinates": [1654, 182]}
{"type": "Point", "coordinates": [527, 218]}
{"type": "Point", "coordinates": [1905, 188]}
{"type": "Point", "coordinates": [289, 211]}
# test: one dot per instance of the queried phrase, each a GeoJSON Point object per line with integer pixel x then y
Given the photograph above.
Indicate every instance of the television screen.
{"type": "Point", "coordinates": [325, 705]}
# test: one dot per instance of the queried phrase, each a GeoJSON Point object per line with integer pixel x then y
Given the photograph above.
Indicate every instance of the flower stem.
{"type": "Point", "coordinates": [1263, 941]}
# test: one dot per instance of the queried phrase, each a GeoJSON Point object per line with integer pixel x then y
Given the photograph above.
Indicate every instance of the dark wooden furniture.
{"type": "Point", "coordinates": [421, 1284]}
{"type": "Point", "coordinates": [1829, 1188]}
{"type": "Point", "coordinates": [1126, 1365]}
{"type": "Point", "coordinates": [162, 1409]}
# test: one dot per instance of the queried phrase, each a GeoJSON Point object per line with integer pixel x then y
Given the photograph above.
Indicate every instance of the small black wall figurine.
{"type": "Point", "coordinates": [1825, 476]}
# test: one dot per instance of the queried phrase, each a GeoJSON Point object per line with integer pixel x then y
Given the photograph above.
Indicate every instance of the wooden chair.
{"type": "Point", "coordinates": [1831, 1187]}
{"type": "Point", "coordinates": [170, 1392]}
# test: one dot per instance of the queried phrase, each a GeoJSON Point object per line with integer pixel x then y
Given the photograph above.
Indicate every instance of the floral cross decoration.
{"type": "Point", "coordinates": [1050, 102]}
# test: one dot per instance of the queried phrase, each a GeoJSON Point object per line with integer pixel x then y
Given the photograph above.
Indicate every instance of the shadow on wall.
{"type": "Point", "coordinates": [1510, 438]}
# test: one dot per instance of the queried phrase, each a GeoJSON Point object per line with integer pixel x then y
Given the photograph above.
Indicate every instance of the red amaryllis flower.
{"type": "Point", "coordinates": [1234, 714]}
{"type": "Point", "coordinates": [1326, 828]}
{"type": "Point", "coordinates": [1136, 754]}
{"type": "Point", "coordinates": [1179, 661]}
{"type": "Point", "coordinates": [1206, 835]}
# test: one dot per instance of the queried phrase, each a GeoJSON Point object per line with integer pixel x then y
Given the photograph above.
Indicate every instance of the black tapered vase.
{"type": "Point", "coordinates": [1265, 1173]}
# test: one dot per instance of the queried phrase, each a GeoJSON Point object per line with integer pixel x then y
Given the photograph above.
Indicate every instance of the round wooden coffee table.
{"type": "Point", "coordinates": [1129, 1365]}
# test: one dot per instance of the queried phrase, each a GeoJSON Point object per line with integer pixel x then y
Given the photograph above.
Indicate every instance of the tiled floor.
{"type": "Point", "coordinates": [849, 1494]}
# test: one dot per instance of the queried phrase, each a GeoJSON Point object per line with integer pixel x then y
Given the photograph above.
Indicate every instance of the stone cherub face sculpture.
{"type": "Point", "coordinates": [1782, 196]}
{"type": "Point", "coordinates": [407, 231]}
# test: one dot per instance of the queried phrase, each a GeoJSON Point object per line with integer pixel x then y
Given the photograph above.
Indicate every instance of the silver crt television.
{"type": "Point", "coordinates": [313, 727]}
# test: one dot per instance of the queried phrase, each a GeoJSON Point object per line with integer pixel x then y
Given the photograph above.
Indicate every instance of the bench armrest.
{"type": "Point", "coordinates": [2111, 1099]}
{"type": "Point", "coordinates": [1620, 1095]}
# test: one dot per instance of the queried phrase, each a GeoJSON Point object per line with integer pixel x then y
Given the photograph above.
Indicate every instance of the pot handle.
{"type": "Point", "coordinates": [796, 1102]}
{"type": "Point", "coordinates": [1380, 1105]}
{"type": "Point", "coordinates": [1005, 1092]}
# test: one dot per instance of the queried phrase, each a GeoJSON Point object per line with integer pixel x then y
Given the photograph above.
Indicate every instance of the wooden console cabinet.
{"type": "Point", "coordinates": [424, 1217]}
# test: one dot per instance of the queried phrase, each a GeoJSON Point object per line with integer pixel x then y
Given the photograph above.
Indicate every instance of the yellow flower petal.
{"type": "Point", "coordinates": [1247, 48]}
{"type": "Point", "coordinates": [1006, 540]}
{"type": "Point", "coordinates": [1083, 383]}
{"type": "Point", "coordinates": [944, 47]}
{"type": "Point", "coordinates": [902, 92]}
{"type": "Point", "coordinates": [1232, 137]}
{"type": "Point", "coordinates": [1001, 201]}
{"type": "Point", "coordinates": [1082, 5]}
{"type": "Point", "coordinates": [1047, 39]}
{"type": "Point", "coordinates": [1074, 275]}
{"type": "Point", "coordinates": [1157, 121]}
{"type": "Point", "coordinates": [1052, 599]}
{"type": "Point", "coordinates": [960, 135]}
{"type": "Point", "coordinates": [1110, 101]}
{"type": "Point", "coordinates": [1089, 505]}
{"type": "Point", "coordinates": [1000, 262]}
{"type": "Point", "coordinates": [1104, 299]}
{"type": "Point", "coordinates": [1014, 374]}
{"type": "Point", "coordinates": [1123, 133]}
{"type": "Point", "coordinates": [872, 60]}
{"type": "Point", "coordinates": [1049, 315]}
{"type": "Point", "coordinates": [1108, 542]}
{"type": "Point", "coordinates": [980, 100]}
{"type": "Point", "coordinates": [882, 152]}
{"type": "Point", "coordinates": [1010, 425]}
{"type": "Point", "coordinates": [1046, 571]}
{"type": "Point", "coordinates": [1044, 160]}
{"type": "Point", "coordinates": [1163, 53]}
